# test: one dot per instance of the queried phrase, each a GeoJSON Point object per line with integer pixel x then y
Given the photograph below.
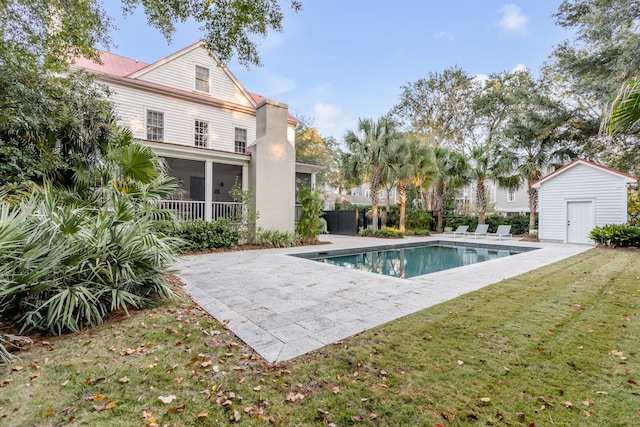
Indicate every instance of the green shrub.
{"type": "Point", "coordinates": [65, 267]}
{"type": "Point", "coordinates": [617, 235]}
{"type": "Point", "coordinates": [384, 233]}
{"type": "Point", "coordinates": [519, 223]}
{"type": "Point", "coordinates": [309, 226]}
{"type": "Point", "coordinates": [276, 239]}
{"type": "Point", "coordinates": [417, 233]}
{"type": "Point", "coordinates": [418, 219]}
{"type": "Point", "coordinates": [199, 235]}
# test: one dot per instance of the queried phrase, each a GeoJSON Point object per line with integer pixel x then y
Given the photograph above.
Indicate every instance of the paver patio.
{"type": "Point", "coordinates": [285, 306]}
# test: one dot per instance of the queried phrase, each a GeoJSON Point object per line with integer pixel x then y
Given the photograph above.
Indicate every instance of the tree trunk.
{"type": "Point", "coordinates": [481, 201]}
{"type": "Point", "coordinates": [374, 186]}
{"type": "Point", "coordinates": [402, 199]}
{"type": "Point", "coordinates": [533, 206]}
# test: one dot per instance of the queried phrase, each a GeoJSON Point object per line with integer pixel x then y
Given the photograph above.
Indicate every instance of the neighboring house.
{"type": "Point", "coordinates": [192, 111]}
{"type": "Point", "coordinates": [511, 202]}
{"type": "Point", "coordinates": [499, 200]}
{"type": "Point", "coordinates": [578, 197]}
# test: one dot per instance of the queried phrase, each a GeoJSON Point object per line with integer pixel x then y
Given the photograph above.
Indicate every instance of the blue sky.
{"type": "Point", "coordinates": [338, 60]}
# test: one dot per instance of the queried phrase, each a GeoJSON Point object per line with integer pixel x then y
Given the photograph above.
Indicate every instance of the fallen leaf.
{"type": "Point", "coordinates": [5, 382]}
{"type": "Point", "coordinates": [373, 416]}
{"type": "Point", "coordinates": [335, 390]}
{"type": "Point", "coordinates": [110, 404]}
{"type": "Point", "coordinates": [98, 398]}
{"type": "Point", "coordinates": [236, 416]}
{"type": "Point", "coordinates": [258, 388]}
{"type": "Point", "coordinates": [567, 404]}
{"type": "Point", "coordinates": [485, 399]}
{"type": "Point", "coordinates": [17, 368]}
{"type": "Point", "coordinates": [123, 380]}
{"type": "Point", "coordinates": [203, 414]}
{"type": "Point", "coordinates": [460, 362]}
{"type": "Point", "coordinates": [293, 397]}
{"type": "Point", "coordinates": [167, 399]}
{"type": "Point", "coordinates": [357, 418]}
{"type": "Point", "coordinates": [550, 331]}
{"type": "Point", "coordinates": [603, 393]}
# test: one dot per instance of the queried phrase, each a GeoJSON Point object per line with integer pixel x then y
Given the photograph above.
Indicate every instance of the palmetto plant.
{"type": "Point", "coordinates": [367, 158]}
{"type": "Point", "coordinates": [71, 255]}
{"type": "Point", "coordinates": [413, 164]}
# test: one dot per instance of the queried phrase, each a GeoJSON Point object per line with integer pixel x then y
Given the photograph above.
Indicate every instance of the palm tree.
{"type": "Point", "coordinates": [479, 171]}
{"type": "Point", "coordinates": [413, 164]}
{"type": "Point", "coordinates": [452, 172]}
{"type": "Point", "coordinates": [367, 157]}
{"type": "Point", "coordinates": [532, 151]}
{"type": "Point", "coordinates": [624, 115]}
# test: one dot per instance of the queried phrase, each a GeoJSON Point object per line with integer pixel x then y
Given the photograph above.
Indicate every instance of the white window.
{"type": "Point", "coordinates": [155, 125]}
{"type": "Point", "coordinates": [201, 133]}
{"type": "Point", "coordinates": [240, 140]}
{"type": "Point", "coordinates": [511, 196]}
{"type": "Point", "coordinates": [202, 79]}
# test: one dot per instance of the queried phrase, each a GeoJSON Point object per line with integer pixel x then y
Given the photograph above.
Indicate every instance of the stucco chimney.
{"type": "Point", "coordinates": [272, 169]}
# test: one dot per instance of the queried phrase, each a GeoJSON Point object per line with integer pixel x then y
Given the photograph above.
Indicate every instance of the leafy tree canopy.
{"type": "Point", "coordinates": [589, 68]}
{"type": "Point", "coordinates": [313, 148]}
{"type": "Point", "coordinates": [61, 29]}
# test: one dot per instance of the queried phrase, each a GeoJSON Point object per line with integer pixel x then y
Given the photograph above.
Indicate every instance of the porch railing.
{"type": "Point", "coordinates": [190, 209]}
{"type": "Point", "coordinates": [228, 210]}
{"type": "Point", "coordinates": [185, 209]}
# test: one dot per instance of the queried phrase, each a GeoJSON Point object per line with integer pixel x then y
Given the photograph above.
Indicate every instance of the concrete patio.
{"type": "Point", "coordinates": [285, 306]}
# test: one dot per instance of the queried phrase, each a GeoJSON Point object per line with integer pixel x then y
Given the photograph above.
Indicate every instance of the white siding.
{"type": "Point", "coordinates": [179, 116]}
{"type": "Point", "coordinates": [520, 204]}
{"type": "Point", "coordinates": [580, 182]}
{"type": "Point", "coordinates": [180, 73]}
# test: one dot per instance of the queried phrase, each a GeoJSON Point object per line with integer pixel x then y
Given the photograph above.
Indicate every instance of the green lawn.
{"type": "Point", "coordinates": [556, 346]}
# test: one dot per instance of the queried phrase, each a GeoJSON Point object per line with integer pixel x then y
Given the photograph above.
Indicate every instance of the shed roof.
{"type": "Point", "coordinates": [626, 177]}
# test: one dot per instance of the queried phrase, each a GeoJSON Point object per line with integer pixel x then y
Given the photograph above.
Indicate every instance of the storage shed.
{"type": "Point", "coordinates": [578, 197]}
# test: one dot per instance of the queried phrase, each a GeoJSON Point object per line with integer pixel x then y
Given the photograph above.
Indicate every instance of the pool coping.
{"type": "Point", "coordinates": [285, 306]}
{"type": "Point", "coordinates": [458, 243]}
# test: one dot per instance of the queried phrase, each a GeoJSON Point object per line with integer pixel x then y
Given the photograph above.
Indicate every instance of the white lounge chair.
{"type": "Point", "coordinates": [481, 230]}
{"type": "Point", "coordinates": [502, 231]}
{"type": "Point", "coordinates": [460, 231]}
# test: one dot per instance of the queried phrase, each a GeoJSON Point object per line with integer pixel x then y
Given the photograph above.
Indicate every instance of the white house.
{"type": "Point", "coordinates": [192, 111]}
{"type": "Point", "coordinates": [578, 197]}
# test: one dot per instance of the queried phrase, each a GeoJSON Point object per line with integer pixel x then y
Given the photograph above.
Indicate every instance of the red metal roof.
{"type": "Point", "coordinates": [584, 161]}
{"type": "Point", "coordinates": [121, 66]}
{"type": "Point", "coordinates": [111, 64]}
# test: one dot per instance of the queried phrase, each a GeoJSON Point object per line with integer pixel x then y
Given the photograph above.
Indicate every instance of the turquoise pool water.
{"type": "Point", "coordinates": [413, 261]}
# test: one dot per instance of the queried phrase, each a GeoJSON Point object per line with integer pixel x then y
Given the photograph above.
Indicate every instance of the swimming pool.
{"type": "Point", "coordinates": [406, 261]}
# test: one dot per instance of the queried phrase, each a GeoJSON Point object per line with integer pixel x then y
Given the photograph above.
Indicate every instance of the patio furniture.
{"type": "Point", "coordinates": [460, 231]}
{"type": "Point", "coordinates": [481, 230]}
{"type": "Point", "coordinates": [502, 231]}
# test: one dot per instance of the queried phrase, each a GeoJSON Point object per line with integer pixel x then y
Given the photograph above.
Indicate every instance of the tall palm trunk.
{"type": "Point", "coordinates": [533, 206]}
{"type": "Point", "coordinates": [438, 202]}
{"type": "Point", "coordinates": [374, 185]}
{"type": "Point", "coordinates": [481, 200]}
{"type": "Point", "coordinates": [402, 200]}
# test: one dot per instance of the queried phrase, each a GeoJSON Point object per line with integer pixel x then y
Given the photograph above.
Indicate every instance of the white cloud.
{"type": "Point", "coordinates": [327, 116]}
{"type": "Point", "coordinates": [274, 84]}
{"type": "Point", "coordinates": [481, 78]}
{"type": "Point", "coordinates": [443, 35]}
{"type": "Point", "coordinates": [520, 67]}
{"type": "Point", "coordinates": [513, 20]}
{"type": "Point", "coordinates": [331, 120]}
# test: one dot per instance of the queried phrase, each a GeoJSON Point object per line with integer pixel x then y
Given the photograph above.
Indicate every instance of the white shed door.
{"type": "Point", "coordinates": [580, 221]}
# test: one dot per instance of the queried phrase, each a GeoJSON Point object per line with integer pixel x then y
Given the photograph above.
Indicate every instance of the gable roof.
{"type": "Point", "coordinates": [630, 179]}
{"type": "Point", "coordinates": [134, 70]}
{"type": "Point", "coordinates": [111, 64]}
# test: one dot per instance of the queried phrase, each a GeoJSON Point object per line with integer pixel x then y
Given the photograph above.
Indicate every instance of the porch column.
{"type": "Point", "coordinates": [245, 177]}
{"type": "Point", "coordinates": [208, 190]}
{"type": "Point", "coordinates": [313, 180]}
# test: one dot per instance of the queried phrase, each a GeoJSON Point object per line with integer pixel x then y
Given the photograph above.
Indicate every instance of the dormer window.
{"type": "Point", "coordinates": [202, 79]}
